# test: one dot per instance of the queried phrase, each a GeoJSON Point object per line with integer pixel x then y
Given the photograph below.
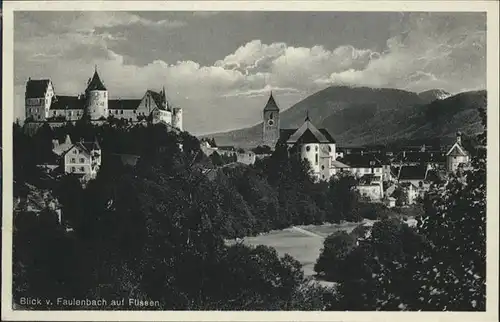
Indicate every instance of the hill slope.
{"type": "Point", "coordinates": [359, 116]}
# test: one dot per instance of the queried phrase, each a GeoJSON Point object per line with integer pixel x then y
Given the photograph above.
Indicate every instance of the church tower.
{"type": "Point", "coordinates": [96, 96]}
{"type": "Point", "coordinates": [271, 126]}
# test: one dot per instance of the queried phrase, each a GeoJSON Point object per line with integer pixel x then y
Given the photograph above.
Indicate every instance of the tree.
{"type": "Point", "coordinates": [345, 199]}
{"type": "Point", "coordinates": [335, 250]}
{"type": "Point", "coordinates": [454, 223]}
{"type": "Point", "coordinates": [216, 159]}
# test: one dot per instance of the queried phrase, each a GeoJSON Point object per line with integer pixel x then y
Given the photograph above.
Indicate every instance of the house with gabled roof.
{"type": "Point", "coordinates": [82, 158]}
{"type": "Point", "coordinates": [361, 164]}
{"type": "Point", "coordinates": [457, 156]}
{"type": "Point", "coordinates": [315, 145]}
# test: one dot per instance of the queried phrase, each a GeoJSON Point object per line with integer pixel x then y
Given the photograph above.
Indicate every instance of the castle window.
{"type": "Point", "coordinates": [82, 169]}
{"type": "Point", "coordinates": [73, 160]}
{"type": "Point", "coordinates": [329, 149]}
{"type": "Point", "coordinates": [316, 148]}
{"type": "Point", "coordinates": [316, 159]}
{"type": "Point", "coordinates": [73, 169]}
{"type": "Point", "coordinates": [271, 116]}
{"type": "Point", "coordinates": [82, 160]}
{"type": "Point", "coordinates": [121, 111]}
{"type": "Point", "coordinates": [322, 167]}
{"type": "Point", "coordinates": [308, 148]}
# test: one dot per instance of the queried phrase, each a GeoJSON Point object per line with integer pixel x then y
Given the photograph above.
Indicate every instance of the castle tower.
{"type": "Point", "coordinates": [96, 96]}
{"type": "Point", "coordinates": [271, 126]}
{"type": "Point", "coordinates": [177, 118]}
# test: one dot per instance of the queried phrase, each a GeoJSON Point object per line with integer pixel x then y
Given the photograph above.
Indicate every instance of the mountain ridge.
{"type": "Point", "coordinates": [365, 116]}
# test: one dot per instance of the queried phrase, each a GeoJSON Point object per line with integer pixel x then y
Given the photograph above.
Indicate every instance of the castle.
{"type": "Point", "coordinates": [43, 105]}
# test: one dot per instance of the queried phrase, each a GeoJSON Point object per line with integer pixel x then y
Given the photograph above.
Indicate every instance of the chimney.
{"type": "Point", "coordinates": [55, 143]}
{"type": "Point", "coordinates": [459, 137]}
{"type": "Point", "coordinates": [68, 139]}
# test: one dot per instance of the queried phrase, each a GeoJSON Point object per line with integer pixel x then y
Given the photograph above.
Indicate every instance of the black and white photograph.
{"type": "Point", "coordinates": [230, 160]}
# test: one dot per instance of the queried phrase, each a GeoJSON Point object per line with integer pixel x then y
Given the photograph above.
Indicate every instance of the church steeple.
{"type": "Point", "coordinates": [95, 83]}
{"type": "Point", "coordinates": [271, 124]}
{"type": "Point", "coordinates": [271, 104]}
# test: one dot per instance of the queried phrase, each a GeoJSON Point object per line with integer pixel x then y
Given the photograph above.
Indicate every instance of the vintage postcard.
{"type": "Point", "coordinates": [250, 161]}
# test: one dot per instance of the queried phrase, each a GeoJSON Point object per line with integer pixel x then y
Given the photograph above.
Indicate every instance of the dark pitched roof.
{"type": "Point", "coordinates": [361, 161]}
{"type": "Point", "coordinates": [327, 135]}
{"type": "Point", "coordinates": [427, 156]}
{"type": "Point", "coordinates": [412, 173]}
{"type": "Point", "coordinates": [307, 136]}
{"type": "Point", "coordinates": [457, 150]}
{"type": "Point", "coordinates": [285, 134]}
{"type": "Point", "coordinates": [350, 150]}
{"type": "Point", "coordinates": [271, 104]}
{"type": "Point", "coordinates": [67, 102]}
{"type": "Point", "coordinates": [36, 88]}
{"type": "Point", "coordinates": [123, 104]}
{"type": "Point", "coordinates": [95, 83]}
{"type": "Point", "coordinates": [157, 97]}
{"type": "Point", "coordinates": [91, 145]}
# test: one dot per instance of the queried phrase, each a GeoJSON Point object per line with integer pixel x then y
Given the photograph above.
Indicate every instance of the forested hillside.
{"type": "Point", "coordinates": [364, 116]}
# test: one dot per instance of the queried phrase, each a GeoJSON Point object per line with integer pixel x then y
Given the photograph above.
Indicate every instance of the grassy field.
{"type": "Point", "coordinates": [304, 243]}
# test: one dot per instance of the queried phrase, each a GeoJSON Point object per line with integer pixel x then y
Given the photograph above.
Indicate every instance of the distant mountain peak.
{"type": "Point", "coordinates": [434, 94]}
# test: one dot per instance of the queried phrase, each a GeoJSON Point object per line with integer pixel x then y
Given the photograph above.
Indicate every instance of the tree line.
{"type": "Point", "coordinates": [157, 230]}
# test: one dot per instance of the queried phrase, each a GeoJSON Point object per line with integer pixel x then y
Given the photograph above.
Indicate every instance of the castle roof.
{"type": "Point", "coordinates": [67, 103]}
{"type": "Point", "coordinates": [36, 88]}
{"type": "Point", "coordinates": [95, 84]}
{"type": "Point", "coordinates": [157, 97]}
{"type": "Point", "coordinates": [124, 104]}
{"type": "Point", "coordinates": [271, 104]}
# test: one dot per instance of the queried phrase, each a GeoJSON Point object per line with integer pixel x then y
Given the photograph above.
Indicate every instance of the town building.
{"type": "Point", "coordinates": [361, 164]}
{"type": "Point", "coordinates": [457, 156]}
{"type": "Point", "coordinates": [370, 187]}
{"type": "Point", "coordinates": [315, 145]}
{"type": "Point", "coordinates": [43, 105]}
{"type": "Point", "coordinates": [80, 158]}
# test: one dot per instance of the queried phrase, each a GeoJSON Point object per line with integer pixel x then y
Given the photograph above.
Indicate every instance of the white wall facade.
{"type": "Point", "coordinates": [97, 104]}
{"type": "Point", "coordinates": [453, 161]}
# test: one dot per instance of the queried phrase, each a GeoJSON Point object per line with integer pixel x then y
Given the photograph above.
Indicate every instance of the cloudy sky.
{"type": "Point", "coordinates": [220, 66]}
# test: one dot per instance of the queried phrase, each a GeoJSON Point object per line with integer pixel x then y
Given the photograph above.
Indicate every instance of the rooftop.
{"type": "Point", "coordinates": [95, 84]}
{"type": "Point", "coordinates": [271, 104]}
{"type": "Point", "coordinates": [361, 161]}
{"type": "Point", "coordinates": [36, 88]}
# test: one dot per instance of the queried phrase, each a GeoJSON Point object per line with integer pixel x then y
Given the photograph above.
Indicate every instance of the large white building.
{"type": "Point", "coordinates": [43, 105]}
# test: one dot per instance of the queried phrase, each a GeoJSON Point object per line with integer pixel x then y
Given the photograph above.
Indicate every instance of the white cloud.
{"type": "Point", "coordinates": [420, 58]}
